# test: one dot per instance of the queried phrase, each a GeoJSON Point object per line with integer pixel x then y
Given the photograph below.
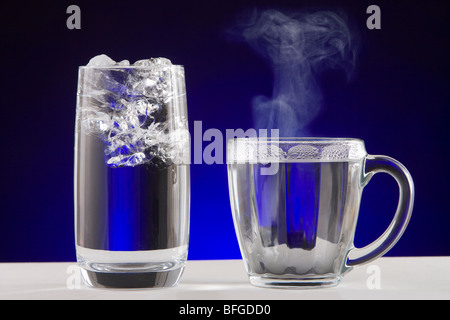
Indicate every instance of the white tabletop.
{"type": "Point", "coordinates": [386, 278]}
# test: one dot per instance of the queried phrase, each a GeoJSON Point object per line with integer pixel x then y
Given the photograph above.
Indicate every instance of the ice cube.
{"type": "Point", "coordinates": [101, 60]}
{"type": "Point", "coordinates": [153, 61]}
{"type": "Point", "coordinates": [123, 63]}
{"type": "Point", "coordinates": [127, 109]}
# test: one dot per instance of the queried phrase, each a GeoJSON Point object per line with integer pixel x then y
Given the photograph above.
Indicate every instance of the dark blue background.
{"type": "Point", "coordinates": [397, 103]}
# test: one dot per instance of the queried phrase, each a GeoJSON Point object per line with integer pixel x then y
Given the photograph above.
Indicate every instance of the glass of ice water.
{"type": "Point", "coordinates": [295, 204]}
{"type": "Point", "coordinates": [132, 174]}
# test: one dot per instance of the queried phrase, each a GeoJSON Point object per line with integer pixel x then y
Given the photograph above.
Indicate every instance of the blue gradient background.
{"type": "Point", "coordinates": [397, 103]}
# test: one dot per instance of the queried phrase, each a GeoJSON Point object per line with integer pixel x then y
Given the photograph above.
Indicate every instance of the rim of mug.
{"type": "Point", "coordinates": [296, 139]}
{"type": "Point", "coordinates": [255, 150]}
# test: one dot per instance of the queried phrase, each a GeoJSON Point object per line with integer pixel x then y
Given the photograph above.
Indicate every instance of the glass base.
{"type": "Point", "coordinates": [294, 282]}
{"type": "Point", "coordinates": [131, 280]}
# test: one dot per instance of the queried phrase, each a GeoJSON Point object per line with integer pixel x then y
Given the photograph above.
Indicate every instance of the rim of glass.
{"type": "Point", "coordinates": [131, 67]}
{"type": "Point", "coordinates": [295, 139]}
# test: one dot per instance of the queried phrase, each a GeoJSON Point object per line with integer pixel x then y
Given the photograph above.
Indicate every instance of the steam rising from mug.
{"type": "Point", "coordinates": [299, 47]}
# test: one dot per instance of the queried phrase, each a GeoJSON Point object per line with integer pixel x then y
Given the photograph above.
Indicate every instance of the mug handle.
{"type": "Point", "coordinates": [373, 165]}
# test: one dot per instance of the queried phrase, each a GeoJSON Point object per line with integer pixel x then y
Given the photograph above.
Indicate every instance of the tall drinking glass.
{"type": "Point", "coordinates": [295, 205]}
{"type": "Point", "coordinates": [132, 175]}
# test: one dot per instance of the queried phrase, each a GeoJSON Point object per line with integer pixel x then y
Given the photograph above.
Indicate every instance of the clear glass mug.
{"type": "Point", "coordinates": [295, 203]}
{"type": "Point", "coordinates": [132, 175]}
